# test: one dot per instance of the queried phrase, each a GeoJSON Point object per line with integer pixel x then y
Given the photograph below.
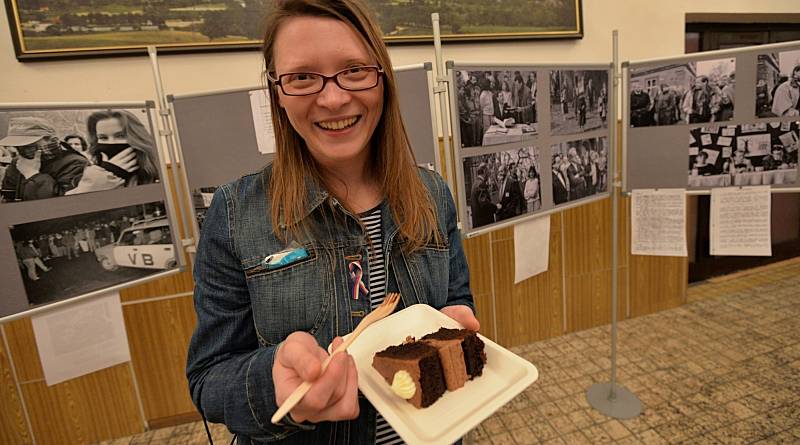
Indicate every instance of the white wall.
{"type": "Point", "coordinates": [648, 28]}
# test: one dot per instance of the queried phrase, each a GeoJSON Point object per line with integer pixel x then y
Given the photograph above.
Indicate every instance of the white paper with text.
{"type": "Point", "coordinates": [81, 338]}
{"type": "Point", "coordinates": [740, 221]}
{"type": "Point", "coordinates": [531, 247]}
{"type": "Point", "coordinates": [658, 222]}
{"type": "Point", "coordinates": [262, 121]}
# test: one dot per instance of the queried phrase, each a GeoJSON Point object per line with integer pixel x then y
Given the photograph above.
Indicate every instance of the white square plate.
{"type": "Point", "coordinates": [504, 376]}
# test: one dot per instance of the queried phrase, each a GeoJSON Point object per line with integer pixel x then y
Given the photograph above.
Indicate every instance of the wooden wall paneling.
{"type": "Point", "coordinates": [657, 283]}
{"type": "Point", "coordinates": [174, 284]}
{"type": "Point", "coordinates": [579, 302]}
{"type": "Point", "coordinates": [587, 250]}
{"type": "Point", "coordinates": [22, 347]}
{"type": "Point", "coordinates": [92, 408]}
{"type": "Point", "coordinates": [555, 277]}
{"type": "Point", "coordinates": [479, 260]}
{"type": "Point", "coordinates": [509, 314]}
{"type": "Point", "coordinates": [601, 297]}
{"type": "Point", "coordinates": [158, 334]}
{"type": "Point", "coordinates": [13, 425]}
{"type": "Point", "coordinates": [533, 309]}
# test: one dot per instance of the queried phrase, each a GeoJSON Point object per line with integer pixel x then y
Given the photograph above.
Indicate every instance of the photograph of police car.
{"type": "Point", "coordinates": [145, 244]}
{"type": "Point", "coordinates": [66, 257]}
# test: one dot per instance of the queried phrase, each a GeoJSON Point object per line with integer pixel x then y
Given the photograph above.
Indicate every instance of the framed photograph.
{"type": "Point", "coordinates": [578, 101]}
{"type": "Point", "coordinates": [690, 92]}
{"type": "Point", "coordinates": [580, 169]}
{"type": "Point", "coordinates": [52, 153]}
{"type": "Point", "coordinates": [67, 257]}
{"type": "Point", "coordinates": [502, 185]}
{"type": "Point", "coordinates": [754, 154]}
{"type": "Point", "coordinates": [496, 106]}
{"type": "Point", "coordinates": [778, 75]}
{"type": "Point", "coordinates": [46, 29]}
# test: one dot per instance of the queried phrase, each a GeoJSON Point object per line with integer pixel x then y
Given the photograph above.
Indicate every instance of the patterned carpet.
{"type": "Point", "coordinates": [722, 369]}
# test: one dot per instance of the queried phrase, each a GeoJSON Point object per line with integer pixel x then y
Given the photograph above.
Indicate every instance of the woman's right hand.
{"type": "Point", "coordinates": [334, 393]}
{"type": "Point", "coordinates": [126, 160]}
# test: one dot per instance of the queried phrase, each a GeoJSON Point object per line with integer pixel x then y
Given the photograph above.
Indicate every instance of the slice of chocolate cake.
{"type": "Point", "coordinates": [451, 355]}
{"type": "Point", "coordinates": [472, 348]}
{"type": "Point", "coordinates": [416, 363]}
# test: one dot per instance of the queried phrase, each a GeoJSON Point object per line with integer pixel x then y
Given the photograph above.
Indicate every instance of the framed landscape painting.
{"type": "Point", "coordinates": [47, 29]}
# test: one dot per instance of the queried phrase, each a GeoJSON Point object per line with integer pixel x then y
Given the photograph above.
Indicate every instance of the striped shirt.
{"type": "Point", "coordinates": [384, 434]}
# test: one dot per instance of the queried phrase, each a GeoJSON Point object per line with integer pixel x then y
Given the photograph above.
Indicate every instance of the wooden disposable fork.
{"type": "Point", "coordinates": [386, 308]}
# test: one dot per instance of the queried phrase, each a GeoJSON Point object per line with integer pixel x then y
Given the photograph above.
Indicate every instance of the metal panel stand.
{"type": "Point", "coordinates": [612, 399]}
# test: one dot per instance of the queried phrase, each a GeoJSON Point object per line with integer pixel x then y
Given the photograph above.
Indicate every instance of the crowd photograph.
{"type": "Point", "coordinates": [690, 92]}
{"type": "Point", "coordinates": [580, 169]}
{"type": "Point", "coordinates": [578, 101]}
{"type": "Point", "coordinates": [502, 185]}
{"type": "Point", "coordinates": [778, 84]}
{"type": "Point", "coordinates": [51, 153]}
{"type": "Point", "coordinates": [735, 155]}
{"type": "Point", "coordinates": [66, 257]}
{"type": "Point", "coordinates": [495, 107]}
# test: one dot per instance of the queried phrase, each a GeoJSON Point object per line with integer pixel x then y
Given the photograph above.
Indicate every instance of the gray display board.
{"type": "Point", "coordinates": [674, 138]}
{"type": "Point", "coordinates": [217, 137]}
{"type": "Point", "coordinates": [68, 262]}
{"type": "Point", "coordinates": [509, 118]}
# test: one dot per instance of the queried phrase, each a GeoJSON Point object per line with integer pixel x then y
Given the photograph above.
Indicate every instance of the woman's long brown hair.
{"type": "Point", "coordinates": [391, 159]}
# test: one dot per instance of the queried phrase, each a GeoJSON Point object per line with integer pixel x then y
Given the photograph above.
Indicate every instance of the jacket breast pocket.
{"type": "Point", "coordinates": [430, 272]}
{"type": "Point", "coordinates": [295, 297]}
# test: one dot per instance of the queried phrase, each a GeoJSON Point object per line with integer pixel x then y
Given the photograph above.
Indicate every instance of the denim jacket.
{"type": "Point", "coordinates": [244, 310]}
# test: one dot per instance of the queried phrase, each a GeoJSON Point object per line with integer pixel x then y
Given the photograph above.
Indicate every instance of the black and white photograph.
{"type": "Point", "coordinates": [580, 169]}
{"type": "Point", "coordinates": [502, 185]}
{"type": "Point", "coordinates": [66, 257]}
{"type": "Point", "coordinates": [61, 152]}
{"type": "Point", "coordinates": [578, 101]}
{"type": "Point", "coordinates": [495, 107]}
{"type": "Point", "coordinates": [778, 84]}
{"type": "Point", "coordinates": [201, 200]}
{"type": "Point", "coordinates": [689, 92]}
{"type": "Point", "coordinates": [735, 157]}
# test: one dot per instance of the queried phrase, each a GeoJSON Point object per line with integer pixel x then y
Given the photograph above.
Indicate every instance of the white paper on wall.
{"type": "Point", "coordinates": [531, 247]}
{"type": "Point", "coordinates": [82, 338]}
{"type": "Point", "coordinates": [262, 121]}
{"type": "Point", "coordinates": [724, 141]}
{"type": "Point", "coordinates": [740, 221]}
{"type": "Point", "coordinates": [729, 131]}
{"type": "Point", "coordinates": [658, 222]}
{"type": "Point", "coordinates": [706, 139]}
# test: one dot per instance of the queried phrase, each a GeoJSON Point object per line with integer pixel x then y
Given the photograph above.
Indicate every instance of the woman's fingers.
{"type": "Point", "coordinates": [126, 159]}
{"type": "Point", "coordinates": [343, 405]}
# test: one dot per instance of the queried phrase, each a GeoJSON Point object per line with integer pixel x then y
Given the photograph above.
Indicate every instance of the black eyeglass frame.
{"type": "Point", "coordinates": [278, 81]}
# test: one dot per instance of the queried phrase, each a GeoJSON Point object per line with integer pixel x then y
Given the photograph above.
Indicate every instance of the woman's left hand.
{"type": "Point", "coordinates": [126, 160]}
{"type": "Point", "coordinates": [462, 314]}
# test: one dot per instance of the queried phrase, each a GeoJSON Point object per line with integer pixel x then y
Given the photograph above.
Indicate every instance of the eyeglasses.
{"type": "Point", "coordinates": [356, 78]}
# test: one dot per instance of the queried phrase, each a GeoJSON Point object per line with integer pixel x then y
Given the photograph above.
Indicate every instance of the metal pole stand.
{"type": "Point", "coordinates": [614, 401]}
{"type": "Point", "coordinates": [611, 399]}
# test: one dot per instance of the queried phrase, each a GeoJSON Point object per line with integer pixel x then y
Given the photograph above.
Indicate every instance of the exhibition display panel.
{"type": "Point", "coordinates": [85, 205]}
{"type": "Point", "coordinates": [529, 139]}
{"type": "Point", "coordinates": [713, 119]}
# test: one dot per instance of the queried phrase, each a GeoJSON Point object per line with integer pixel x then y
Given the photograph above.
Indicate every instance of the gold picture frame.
{"type": "Point", "coordinates": [60, 29]}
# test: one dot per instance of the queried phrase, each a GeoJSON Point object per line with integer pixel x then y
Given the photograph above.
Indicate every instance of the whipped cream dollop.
{"type": "Point", "coordinates": [403, 385]}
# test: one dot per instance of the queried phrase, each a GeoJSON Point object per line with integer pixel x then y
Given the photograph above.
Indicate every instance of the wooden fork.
{"type": "Point", "coordinates": [386, 308]}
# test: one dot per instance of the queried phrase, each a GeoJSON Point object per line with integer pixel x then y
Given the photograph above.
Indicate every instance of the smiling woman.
{"type": "Point", "coordinates": [345, 195]}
